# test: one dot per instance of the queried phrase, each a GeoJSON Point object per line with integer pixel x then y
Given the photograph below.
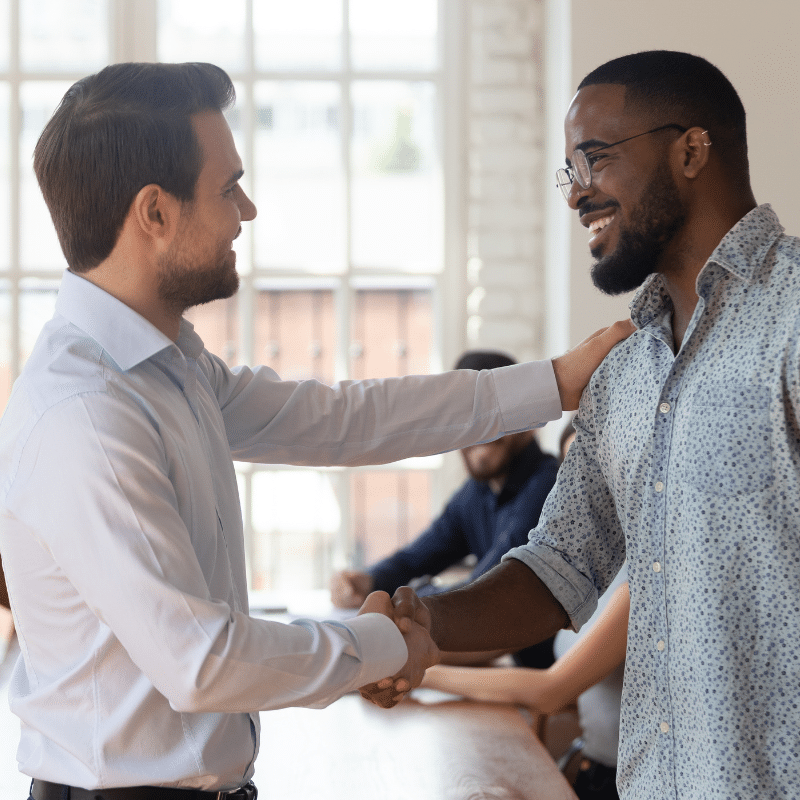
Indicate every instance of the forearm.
{"type": "Point", "coordinates": [595, 655]}
{"type": "Point", "coordinates": [507, 609]}
{"type": "Point", "coordinates": [520, 685]}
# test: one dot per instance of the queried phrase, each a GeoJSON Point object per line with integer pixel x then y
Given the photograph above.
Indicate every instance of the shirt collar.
{"type": "Point", "coordinates": [125, 335]}
{"type": "Point", "coordinates": [741, 252]}
{"type": "Point", "coordinates": [745, 246]}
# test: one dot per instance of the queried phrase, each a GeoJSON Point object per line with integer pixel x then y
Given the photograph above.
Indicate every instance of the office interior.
{"type": "Point", "coordinates": [449, 133]}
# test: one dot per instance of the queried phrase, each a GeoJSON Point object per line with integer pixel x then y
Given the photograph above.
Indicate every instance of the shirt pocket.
{"type": "Point", "coordinates": [726, 446]}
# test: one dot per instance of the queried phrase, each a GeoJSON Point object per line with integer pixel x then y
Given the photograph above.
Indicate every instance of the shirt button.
{"type": "Point", "coordinates": [659, 486]}
{"type": "Point", "coordinates": [661, 647]}
{"type": "Point", "coordinates": [656, 566]}
{"type": "Point", "coordinates": [664, 727]}
{"type": "Point", "coordinates": [664, 408]}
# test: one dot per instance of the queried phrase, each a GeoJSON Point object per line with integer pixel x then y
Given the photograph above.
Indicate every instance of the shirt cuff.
{"type": "Point", "coordinates": [527, 395]}
{"type": "Point", "coordinates": [576, 593]}
{"type": "Point", "coordinates": [382, 651]}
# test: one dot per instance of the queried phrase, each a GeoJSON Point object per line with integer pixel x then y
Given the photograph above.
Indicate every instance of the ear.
{"type": "Point", "coordinates": [695, 151]}
{"type": "Point", "coordinates": [156, 214]}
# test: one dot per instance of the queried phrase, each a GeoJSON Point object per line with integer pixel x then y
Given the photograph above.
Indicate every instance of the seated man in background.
{"type": "Point", "coordinates": [491, 513]}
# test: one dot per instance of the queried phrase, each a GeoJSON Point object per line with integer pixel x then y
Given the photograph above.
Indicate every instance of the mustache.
{"type": "Point", "coordinates": [588, 207]}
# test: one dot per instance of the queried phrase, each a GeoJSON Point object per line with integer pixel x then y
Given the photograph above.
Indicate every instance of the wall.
{"type": "Point", "coordinates": [505, 212]}
{"type": "Point", "coordinates": [754, 43]}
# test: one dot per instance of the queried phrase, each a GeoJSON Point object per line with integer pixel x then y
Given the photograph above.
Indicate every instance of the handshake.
{"type": "Point", "coordinates": [414, 621]}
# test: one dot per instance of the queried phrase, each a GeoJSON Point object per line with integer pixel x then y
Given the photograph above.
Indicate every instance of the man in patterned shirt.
{"type": "Point", "coordinates": [686, 458]}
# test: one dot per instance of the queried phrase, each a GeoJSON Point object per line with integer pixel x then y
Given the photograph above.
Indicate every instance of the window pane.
{"type": "Point", "coordinates": [397, 182]}
{"type": "Point", "coordinates": [5, 183]}
{"type": "Point", "coordinates": [301, 34]}
{"type": "Point", "coordinates": [389, 510]}
{"type": "Point", "coordinates": [202, 30]}
{"type": "Point", "coordinates": [5, 6]}
{"type": "Point", "coordinates": [295, 519]}
{"type": "Point", "coordinates": [392, 333]}
{"type": "Point", "coordinates": [39, 248]}
{"type": "Point", "coordinates": [37, 303]}
{"type": "Point", "coordinates": [217, 324]}
{"type": "Point", "coordinates": [298, 177]}
{"type": "Point", "coordinates": [6, 378]}
{"type": "Point", "coordinates": [295, 333]}
{"type": "Point", "coordinates": [64, 35]}
{"type": "Point", "coordinates": [386, 34]}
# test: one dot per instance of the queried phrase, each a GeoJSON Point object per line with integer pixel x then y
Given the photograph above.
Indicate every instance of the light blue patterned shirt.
{"type": "Point", "coordinates": [690, 465]}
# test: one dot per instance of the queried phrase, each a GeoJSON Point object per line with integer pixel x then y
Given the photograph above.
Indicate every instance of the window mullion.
{"type": "Point", "coordinates": [14, 128]}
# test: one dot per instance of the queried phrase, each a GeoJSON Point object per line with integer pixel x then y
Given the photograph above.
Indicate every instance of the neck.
{"type": "Point", "coordinates": [497, 483]}
{"type": "Point", "coordinates": [708, 223]}
{"type": "Point", "coordinates": [122, 279]}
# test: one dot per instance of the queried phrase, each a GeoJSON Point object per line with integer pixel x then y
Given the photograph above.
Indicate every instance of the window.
{"type": "Point", "coordinates": [341, 119]}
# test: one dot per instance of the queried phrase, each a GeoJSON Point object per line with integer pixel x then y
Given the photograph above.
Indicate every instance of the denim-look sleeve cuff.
{"type": "Point", "coordinates": [576, 593]}
{"type": "Point", "coordinates": [527, 395]}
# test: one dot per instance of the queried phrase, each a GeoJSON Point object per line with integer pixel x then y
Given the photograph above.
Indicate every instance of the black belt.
{"type": "Point", "coordinates": [43, 790]}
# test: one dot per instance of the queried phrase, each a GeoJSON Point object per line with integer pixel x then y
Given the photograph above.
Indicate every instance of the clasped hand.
{"type": "Point", "coordinates": [414, 621]}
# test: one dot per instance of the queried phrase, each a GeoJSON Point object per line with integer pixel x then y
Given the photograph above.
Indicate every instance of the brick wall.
{"type": "Point", "coordinates": [505, 135]}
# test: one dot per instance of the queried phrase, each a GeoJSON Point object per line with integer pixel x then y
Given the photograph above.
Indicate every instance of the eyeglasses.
{"type": "Point", "coordinates": [582, 163]}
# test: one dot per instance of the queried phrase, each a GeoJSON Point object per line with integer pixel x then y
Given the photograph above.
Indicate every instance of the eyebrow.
{"type": "Point", "coordinates": [588, 143]}
{"type": "Point", "coordinates": [235, 178]}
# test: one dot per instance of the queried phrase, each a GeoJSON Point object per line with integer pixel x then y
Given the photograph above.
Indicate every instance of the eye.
{"type": "Point", "coordinates": [229, 192]}
{"type": "Point", "coordinates": [593, 159]}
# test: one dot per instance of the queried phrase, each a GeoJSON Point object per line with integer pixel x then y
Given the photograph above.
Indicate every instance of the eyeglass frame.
{"type": "Point", "coordinates": [566, 175]}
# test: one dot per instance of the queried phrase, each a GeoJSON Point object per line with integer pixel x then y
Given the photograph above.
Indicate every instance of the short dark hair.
{"type": "Point", "coordinates": [483, 359]}
{"type": "Point", "coordinates": [115, 132]}
{"type": "Point", "coordinates": [673, 87]}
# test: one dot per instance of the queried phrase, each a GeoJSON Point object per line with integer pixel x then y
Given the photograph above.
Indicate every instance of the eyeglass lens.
{"type": "Point", "coordinates": [581, 171]}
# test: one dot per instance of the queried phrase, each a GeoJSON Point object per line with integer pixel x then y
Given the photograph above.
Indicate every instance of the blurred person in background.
{"type": "Point", "coordinates": [493, 511]}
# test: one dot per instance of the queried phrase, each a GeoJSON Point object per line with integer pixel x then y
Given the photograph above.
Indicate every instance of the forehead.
{"type": "Point", "coordinates": [596, 114]}
{"type": "Point", "coordinates": [220, 157]}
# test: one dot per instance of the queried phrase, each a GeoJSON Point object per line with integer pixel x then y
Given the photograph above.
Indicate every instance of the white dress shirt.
{"type": "Point", "coordinates": [121, 537]}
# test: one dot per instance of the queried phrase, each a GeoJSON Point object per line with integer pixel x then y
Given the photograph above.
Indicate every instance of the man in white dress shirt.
{"type": "Point", "coordinates": [141, 672]}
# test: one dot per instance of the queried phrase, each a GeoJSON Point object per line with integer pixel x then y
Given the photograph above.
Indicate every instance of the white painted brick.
{"type": "Point", "coordinates": [494, 71]}
{"type": "Point", "coordinates": [504, 216]}
{"type": "Point", "coordinates": [502, 188]}
{"type": "Point", "coordinates": [502, 129]}
{"type": "Point", "coordinates": [514, 158]}
{"type": "Point", "coordinates": [501, 303]}
{"type": "Point", "coordinates": [517, 100]}
{"type": "Point", "coordinates": [506, 177]}
{"type": "Point", "coordinates": [498, 275]}
{"type": "Point", "coordinates": [495, 14]}
{"type": "Point", "coordinates": [498, 245]}
{"type": "Point", "coordinates": [499, 331]}
{"type": "Point", "coordinates": [508, 42]}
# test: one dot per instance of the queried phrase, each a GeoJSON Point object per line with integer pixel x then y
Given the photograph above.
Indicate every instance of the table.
{"type": "Point", "coordinates": [433, 748]}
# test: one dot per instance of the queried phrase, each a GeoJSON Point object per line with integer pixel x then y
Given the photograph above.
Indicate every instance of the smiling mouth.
{"type": "Point", "coordinates": [597, 225]}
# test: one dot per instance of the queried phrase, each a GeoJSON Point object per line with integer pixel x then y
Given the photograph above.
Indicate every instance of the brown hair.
{"type": "Point", "coordinates": [115, 132]}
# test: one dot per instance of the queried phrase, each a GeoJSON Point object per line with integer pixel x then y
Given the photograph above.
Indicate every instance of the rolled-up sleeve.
{"type": "Point", "coordinates": [578, 546]}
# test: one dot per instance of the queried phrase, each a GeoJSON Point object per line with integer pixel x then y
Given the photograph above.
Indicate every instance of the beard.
{"type": "Point", "coordinates": [183, 283]}
{"type": "Point", "coordinates": [653, 225]}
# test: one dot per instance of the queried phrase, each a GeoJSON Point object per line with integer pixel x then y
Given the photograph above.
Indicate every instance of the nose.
{"type": "Point", "coordinates": [247, 208]}
{"type": "Point", "coordinates": [577, 193]}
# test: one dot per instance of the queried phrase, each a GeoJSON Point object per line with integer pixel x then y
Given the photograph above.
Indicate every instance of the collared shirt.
{"type": "Point", "coordinates": [476, 521]}
{"type": "Point", "coordinates": [690, 464]}
{"type": "Point", "coordinates": [121, 535]}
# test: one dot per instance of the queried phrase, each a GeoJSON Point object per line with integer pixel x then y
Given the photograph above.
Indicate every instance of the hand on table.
{"type": "Point", "coordinates": [574, 369]}
{"type": "Point", "coordinates": [349, 588]}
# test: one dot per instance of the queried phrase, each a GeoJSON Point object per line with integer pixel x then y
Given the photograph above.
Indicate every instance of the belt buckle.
{"type": "Point", "coordinates": [246, 792]}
